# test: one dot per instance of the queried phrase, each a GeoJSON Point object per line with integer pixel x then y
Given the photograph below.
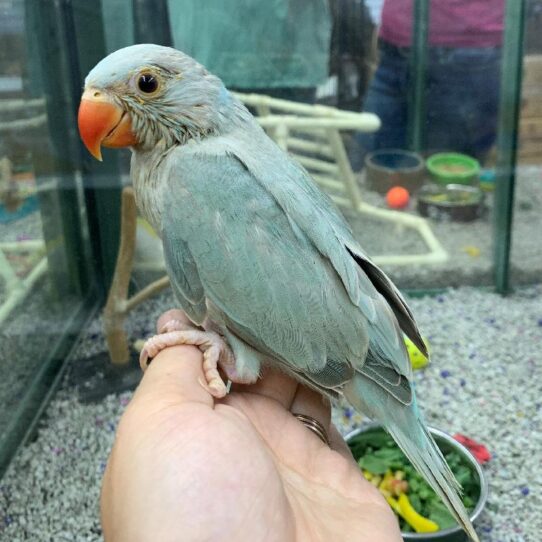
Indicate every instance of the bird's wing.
{"type": "Point", "coordinates": [313, 212]}
{"type": "Point", "coordinates": [183, 275]}
{"type": "Point", "coordinates": [258, 270]}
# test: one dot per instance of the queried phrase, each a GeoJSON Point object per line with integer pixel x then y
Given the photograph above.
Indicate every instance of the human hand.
{"type": "Point", "coordinates": [186, 467]}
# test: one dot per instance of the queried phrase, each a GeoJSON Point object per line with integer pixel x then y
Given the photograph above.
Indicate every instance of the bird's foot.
{"type": "Point", "coordinates": [214, 348]}
{"type": "Point", "coordinates": [176, 325]}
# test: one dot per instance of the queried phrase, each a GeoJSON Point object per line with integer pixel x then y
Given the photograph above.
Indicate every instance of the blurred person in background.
{"type": "Point", "coordinates": [462, 77]}
{"type": "Point", "coordinates": [352, 55]}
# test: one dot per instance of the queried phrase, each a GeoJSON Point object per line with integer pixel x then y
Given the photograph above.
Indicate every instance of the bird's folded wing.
{"type": "Point", "coordinates": [183, 275]}
{"type": "Point", "coordinates": [316, 215]}
{"type": "Point", "coordinates": [225, 234]}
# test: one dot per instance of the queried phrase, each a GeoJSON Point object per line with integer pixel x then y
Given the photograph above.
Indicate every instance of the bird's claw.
{"type": "Point", "coordinates": [214, 349]}
{"type": "Point", "coordinates": [174, 325]}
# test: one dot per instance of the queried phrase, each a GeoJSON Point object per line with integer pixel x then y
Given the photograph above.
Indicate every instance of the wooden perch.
{"type": "Point", "coordinates": [118, 304]}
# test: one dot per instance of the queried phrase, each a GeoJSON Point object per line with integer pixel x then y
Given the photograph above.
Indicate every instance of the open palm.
{"type": "Point", "coordinates": [187, 467]}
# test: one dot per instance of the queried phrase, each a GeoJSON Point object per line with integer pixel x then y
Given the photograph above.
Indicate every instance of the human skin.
{"type": "Point", "coordinates": [187, 467]}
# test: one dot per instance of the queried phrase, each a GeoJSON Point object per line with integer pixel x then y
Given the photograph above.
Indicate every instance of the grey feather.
{"type": "Point", "coordinates": [273, 288]}
{"type": "Point", "coordinates": [184, 277]}
{"type": "Point", "coordinates": [311, 214]}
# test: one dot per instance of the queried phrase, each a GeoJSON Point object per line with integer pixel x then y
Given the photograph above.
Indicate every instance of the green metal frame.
{"type": "Point", "coordinates": [418, 68]}
{"type": "Point", "coordinates": [48, 26]}
{"type": "Point", "coordinates": [102, 180]}
{"type": "Point", "coordinates": [507, 140]}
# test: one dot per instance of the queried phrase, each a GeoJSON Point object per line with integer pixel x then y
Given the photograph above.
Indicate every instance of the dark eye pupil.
{"type": "Point", "coordinates": [147, 83]}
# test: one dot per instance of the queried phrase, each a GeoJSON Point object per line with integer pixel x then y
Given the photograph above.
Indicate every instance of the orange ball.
{"type": "Point", "coordinates": [397, 197]}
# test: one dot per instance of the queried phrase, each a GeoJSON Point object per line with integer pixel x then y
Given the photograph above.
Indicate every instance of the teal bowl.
{"type": "Point", "coordinates": [446, 443]}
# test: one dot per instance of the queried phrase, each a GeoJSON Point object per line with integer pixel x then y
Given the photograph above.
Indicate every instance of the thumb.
{"type": "Point", "coordinates": [175, 375]}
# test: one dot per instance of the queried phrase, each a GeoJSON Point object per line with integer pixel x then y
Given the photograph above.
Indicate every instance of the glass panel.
{"type": "Point", "coordinates": [439, 111]}
{"type": "Point", "coordinates": [44, 248]}
{"type": "Point", "coordinates": [526, 260]}
{"type": "Point", "coordinates": [347, 55]}
{"type": "Point", "coordinates": [306, 70]}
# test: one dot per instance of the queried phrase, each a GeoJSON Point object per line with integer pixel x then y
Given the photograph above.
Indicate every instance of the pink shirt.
{"type": "Point", "coordinates": [453, 23]}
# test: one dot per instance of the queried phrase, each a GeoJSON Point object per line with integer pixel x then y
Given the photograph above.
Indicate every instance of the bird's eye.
{"type": "Point", "coordinates": [147, 83]}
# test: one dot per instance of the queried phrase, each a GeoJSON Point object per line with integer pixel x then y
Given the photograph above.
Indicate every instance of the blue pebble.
{"type": "Point", "coordinates": [525, 491]}
{"type": "Point", "coordinates": [462, 382]}
{"type": "Point", "coordinates": [445, 373]}
{"type": "Point", "coordinates": [539, 322]}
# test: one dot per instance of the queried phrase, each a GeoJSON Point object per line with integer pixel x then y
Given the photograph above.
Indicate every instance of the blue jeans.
{"type": "Point", "coordinates": [462, 100]}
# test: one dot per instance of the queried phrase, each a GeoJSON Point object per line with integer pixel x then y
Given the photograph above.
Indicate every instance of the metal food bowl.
{"type": "Point", "coordinates": [446, 443]}
{"type": "Point", "coordinates": [451, 202]}
{"type": "Point", "coordinates": [387, 168]}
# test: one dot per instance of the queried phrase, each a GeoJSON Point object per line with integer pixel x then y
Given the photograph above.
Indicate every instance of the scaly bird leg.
{"type": "Point", "coordinates": [214, 349]}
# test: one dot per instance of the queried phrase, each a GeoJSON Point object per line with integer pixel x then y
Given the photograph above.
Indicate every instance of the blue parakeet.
{"type": "Point", "coordinates": [256, 253]}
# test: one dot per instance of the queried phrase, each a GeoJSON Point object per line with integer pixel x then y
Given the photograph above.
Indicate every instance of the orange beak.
{"type": "Point", "coordinates": [102, 122]}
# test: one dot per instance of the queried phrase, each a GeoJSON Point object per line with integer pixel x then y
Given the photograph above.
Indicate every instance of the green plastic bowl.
{"type": "Point", "coordinates": [453, 168]}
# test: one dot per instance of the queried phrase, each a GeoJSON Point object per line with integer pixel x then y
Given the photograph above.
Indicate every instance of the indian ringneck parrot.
{"type": "Point", "coordinates": [259, 258]}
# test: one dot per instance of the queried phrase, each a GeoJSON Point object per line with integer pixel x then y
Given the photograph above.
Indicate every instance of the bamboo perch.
{"type": "Point", "coordinates": [21, 288]}
{"type": "Point", "coordinates": [23, 124]}
{"type": "Point", "coordinates": [16, 288]}
{"type": "Point", "coordinates": [9, 106]}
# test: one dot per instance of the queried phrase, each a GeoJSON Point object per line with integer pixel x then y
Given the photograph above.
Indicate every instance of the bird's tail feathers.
{"type": "Point", "coordinates": [426, 457]}
{"type": "Point", "coordinates": [405, 425]}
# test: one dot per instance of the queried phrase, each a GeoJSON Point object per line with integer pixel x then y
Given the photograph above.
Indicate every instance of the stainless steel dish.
{"type": "Point", "coordinates": [445, 442]}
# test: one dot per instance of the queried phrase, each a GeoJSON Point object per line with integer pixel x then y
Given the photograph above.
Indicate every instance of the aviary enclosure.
{"type": "Point", "coordinates": [82, 277]}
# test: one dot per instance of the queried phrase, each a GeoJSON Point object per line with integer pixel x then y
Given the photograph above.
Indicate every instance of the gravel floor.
{"type": "Point", "coordinates": [24, 337]}
{"type": "Point", "coordinates": [482, 382]}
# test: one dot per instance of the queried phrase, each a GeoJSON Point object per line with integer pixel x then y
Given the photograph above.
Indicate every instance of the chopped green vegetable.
{"type": "Point", "coordinates": [415, 501]}
{"type": "Point", "coordinates": [377, 454]}
{"type": "Point", "coordinates": [373, 464]}
{"type": "Point", "coordinates": [439, 514]}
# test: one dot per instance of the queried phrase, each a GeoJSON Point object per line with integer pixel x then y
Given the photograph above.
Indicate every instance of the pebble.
{"type": "Point", "coordinates": [51, 490]}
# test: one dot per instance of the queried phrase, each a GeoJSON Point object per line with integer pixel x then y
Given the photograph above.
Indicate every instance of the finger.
{"type": "Point", "coordinates": [172, 314]}
{"type": "Point", "coordinates": [175, 376]}
{"type": "Point", "coordinates": [274, 385]}
{"type": "Point", "coordinates": [311, 403]}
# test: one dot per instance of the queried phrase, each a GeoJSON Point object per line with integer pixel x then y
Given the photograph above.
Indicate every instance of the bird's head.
{"type": "Point", "coordinates": [145, 94]}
